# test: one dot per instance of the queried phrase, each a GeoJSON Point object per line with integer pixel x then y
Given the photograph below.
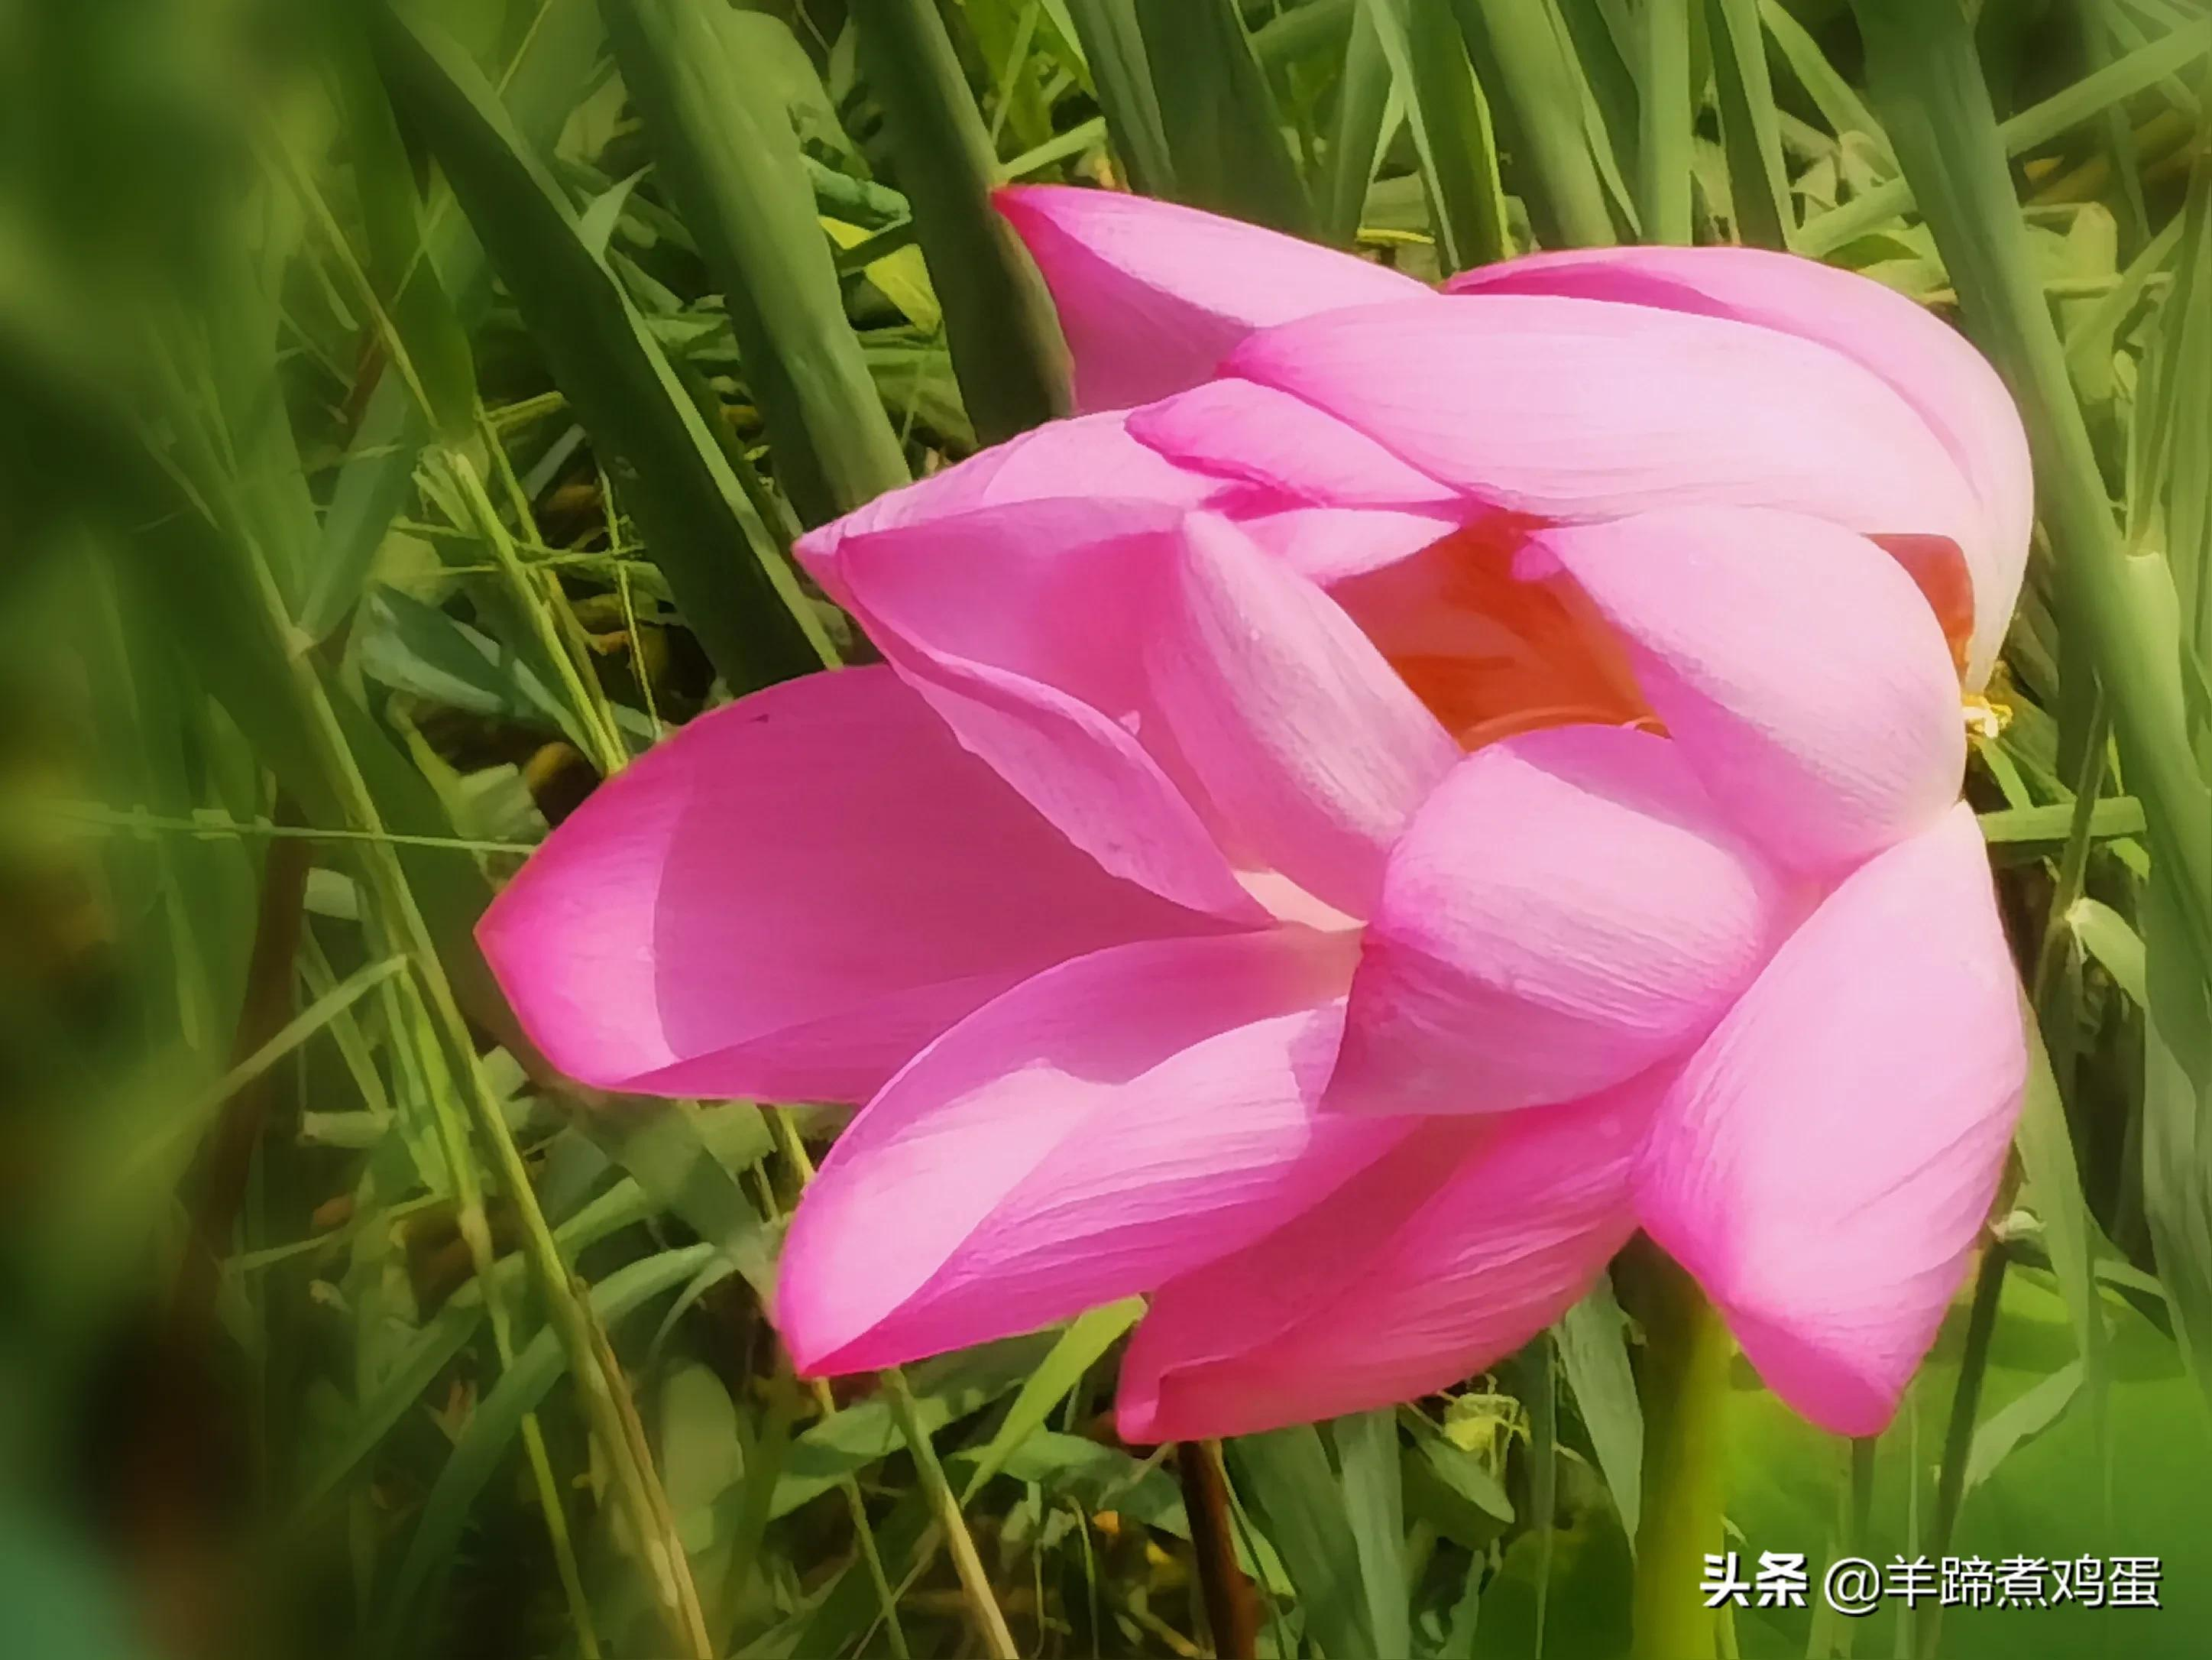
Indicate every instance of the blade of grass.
{"type": "Point", "coordinates": [975, 1581]}
{"type": "Point", "coordinates": [1113, 44]}
{"type": "Point", "coordinates": [405, 280]}
{"type": "Point", "coordinates": [1593, 1353]}
{"type": "Point", "coordinates": [1520, 55]}
{"type": "Point", "coordinates": [1284, 1476]}
{"type": "Point", "coordinates": [1922, 65]}
{"type": "Point", "coordinates": [983, 1602]}
{"type": "Point", "coordinates": [1451, 127]}
{"type": "Point", "coordinates": [2036, 125]}
{"type": "Point", "coordinates": [1079, 1348]}
{"type": "Point", "coordinates": [2176, 1153]}
{"type": "Point", "coordinates": [738, 598]}
{"type": "Point", "coordinates": [1959, 1432]}
{"type": "Point", "coordinates": [537, 85]}
{"type": "Point", "coordinates": [1838, 100]}
{"type": "Point", "coordinates": [1374, 1508]}
{"type": "Point", "coordinates": [498, 1418]}
{"type": "Point", "coordinates": [1225, 134]}
{"type": "Point", "coordinates": [1750, 133]}
{"type": "Point", "coordinates": [999, 323]}
{"type": "Point", "coordinates": [1664, 141]}
{"type": "Point", "coordinates": [730, 163]}
{"type": "Point", "coordinates": [1363, 101]}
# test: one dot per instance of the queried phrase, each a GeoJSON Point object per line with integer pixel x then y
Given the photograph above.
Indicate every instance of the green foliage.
{"type": "Point", "coordinates": [406, 411]}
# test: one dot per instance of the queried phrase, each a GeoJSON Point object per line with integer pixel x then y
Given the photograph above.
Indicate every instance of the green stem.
{"type": "Point", "coordinates": [966, 1562]}
{"type": "Point", "coordinates": [1685, 1387]}
{"type": "Point", "coordinates": [603, 746]}
{"type": "Point", "coordinates": [1959, 1434]}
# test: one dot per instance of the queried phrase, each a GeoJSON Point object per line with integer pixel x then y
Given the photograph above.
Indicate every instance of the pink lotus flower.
{"type": "Point", "coordinates": [1404, 790]}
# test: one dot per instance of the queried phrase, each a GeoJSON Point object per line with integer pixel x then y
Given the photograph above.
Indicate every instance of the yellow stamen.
{"type": "Point", "coordinates": [1985, 717]}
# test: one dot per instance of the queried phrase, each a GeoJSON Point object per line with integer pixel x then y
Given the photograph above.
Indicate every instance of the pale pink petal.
{"type": "Point", "coordinates": [790, 897]}
{"type": "Point", "coordinates": [1932, 367]}
{"type": "Point", "coordinates": [1062, 460]}
{"type": "Point", "coordinates": [1151, 295]}
{"type": "Point", "coordinates": [1805, 679]}
{"type": "Point", "coordinates": [1024, 626]}
{"type": "Point", "coordinates": [1308, 753]}
{"type": "Point", "coordinates": [1441, 1257]}
{"type": "Point", "coordinates": [1241, 430]}
{"type": "Point", "coordinates": [1578, 409]}
{"type": "Point", "coordinates": [1568, 909]}
{"type": "Point", "coordinates": [1333, 546]}
{"type": "Point", "coordinates": [1110, 1124]}
{"type": "Point", "coordinates": [1827, 1157]}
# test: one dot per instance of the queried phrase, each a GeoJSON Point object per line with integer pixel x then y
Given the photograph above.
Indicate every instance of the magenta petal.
{"type": "Point", "coordinates": [1151, 295]}
{"type": "Point", "coordinates": [1309, 750]}
{"type": "Point", "coordinates": [1330, 545]}
{"type": "Point", "coordinates": [1022, 624]}
{"type": "Point", "coordinates": [1930, 365]}
{"type": "Point", "coordinates": [1241, 430]}
{"type": "Point", "coordinates": [1827, 1159]}
{"type": "Point", "coordinates": [1578, 409]}
{"type": "Point", "coordinates": [1113, 1122]}
{"type": "Point", "coordinates": [1568, 909]}
{"type": "Point", "coordinates": [1062, 460]}
{"type": "Point", "coordinates": [790, 897]}
{"type": "Point", "coordinates": [1796, 664]}
{"type": "Point", "coordinates": [1440, 1258]}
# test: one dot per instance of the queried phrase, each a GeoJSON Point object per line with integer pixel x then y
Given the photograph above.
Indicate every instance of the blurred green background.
{"type": "Point", "coordinates": [406, 412]}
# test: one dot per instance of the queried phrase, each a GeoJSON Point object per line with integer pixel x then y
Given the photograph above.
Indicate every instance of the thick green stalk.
{"type": "Point", "coordinates": [1685, 1384]}
{"type": "Point", "coordinates": [1663, 175]}
{"type": "Point", "coordinates": [999, 323]}
{"type": "Point", "coordinates": [1922, 67]}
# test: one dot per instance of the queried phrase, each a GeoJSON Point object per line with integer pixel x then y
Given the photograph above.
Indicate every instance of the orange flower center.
{"type": "Point", "coordinates": [1491, 654]}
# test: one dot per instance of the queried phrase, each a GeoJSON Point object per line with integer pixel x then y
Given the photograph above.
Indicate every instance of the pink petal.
{"type": "Point", "coordinates": [1566, 909]}
{"type": "Point", "coordinates": [1022, 624]}
{"type": "Point", "coordinates": [1310, 753]}
{"type": "Point", "coordinates": [1932, 367]}
{"type": "Point", "coordinates": [1063, 460]}
{"type": "Point", "coordinates": [1241, 430]}
{"type": "Point", "coordinates": [1440, 1258]}
{"type": "Point", "coordinates": [1579, 409]}
{"type": "Point", "coordinates": [1797, 667]}
{"type": "Point", "coordinates": [790, 897]}
{"type": "Point", "coordinates": [1151, 295]}
{"type": "Point", "coordinates": [1331, 545]}
{"type": "Point", "coordinates": [1827, 1157]}
{"type": "Point", "coordinates": [1115, 1122]}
